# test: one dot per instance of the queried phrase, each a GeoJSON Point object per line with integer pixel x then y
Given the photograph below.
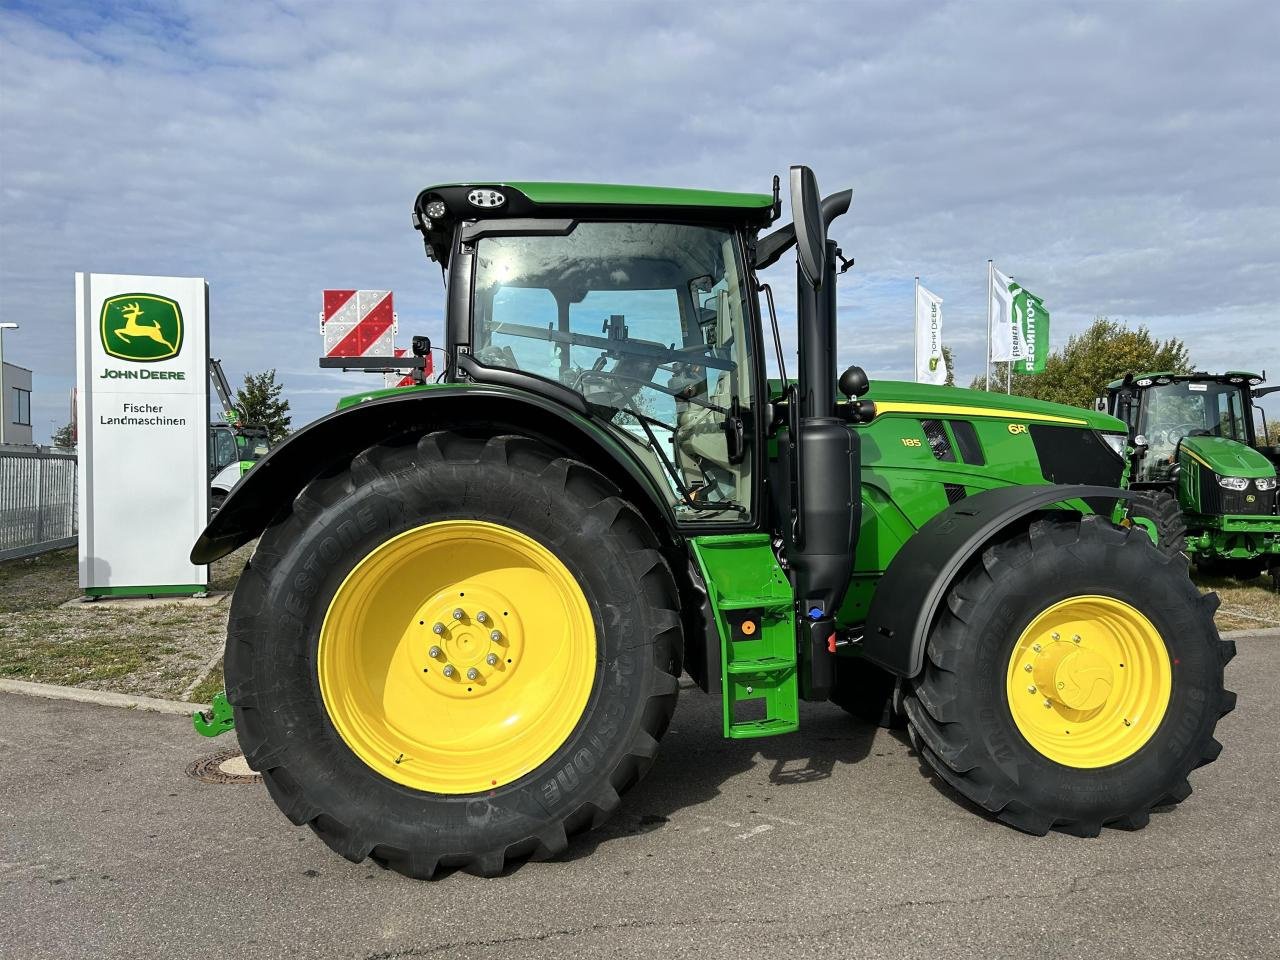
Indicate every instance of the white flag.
{"type": "Point", "coordinates": [930, 365]}
{"type": "Point", "coordinates": [1005, 339]}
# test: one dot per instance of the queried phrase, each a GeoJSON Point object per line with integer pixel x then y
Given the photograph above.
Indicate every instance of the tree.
{"type": "Point", "coordinates": [951, 366]}
{"type": "Point", "coordinates": [1079, 371]}
{"type": "Point", "coordinates": [64, 437]}
{"type": "Point", "coordinates": [259, 401]}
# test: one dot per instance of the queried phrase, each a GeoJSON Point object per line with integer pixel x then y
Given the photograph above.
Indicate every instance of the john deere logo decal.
{"type": "Point", "coordinates": [141, 327]}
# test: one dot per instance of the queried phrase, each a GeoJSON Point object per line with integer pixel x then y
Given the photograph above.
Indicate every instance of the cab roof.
{"type": "Point", "coordinates": [490, 200]}
{"type": "Point", "coordinates": [1231, 376]}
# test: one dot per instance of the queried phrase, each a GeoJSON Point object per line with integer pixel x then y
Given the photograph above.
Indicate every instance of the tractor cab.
{"type": "Point", "coordinates": [636, 304]}
{"type": "Point", "coordinates": [1207, 414]}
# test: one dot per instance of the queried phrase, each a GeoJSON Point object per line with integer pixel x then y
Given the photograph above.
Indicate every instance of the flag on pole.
{"type": "Point", "coordinates": [1005, 343]}
{"type": "Point", "coordinates": [931, 367]}
{"type": "Point", "coordinates": [1031, 331]}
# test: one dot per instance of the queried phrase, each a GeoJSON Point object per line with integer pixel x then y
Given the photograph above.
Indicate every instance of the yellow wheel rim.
{"type": "Point", "coordinates": [457, 657]}
{"type": "Point", "coordinates": [1089, 681]}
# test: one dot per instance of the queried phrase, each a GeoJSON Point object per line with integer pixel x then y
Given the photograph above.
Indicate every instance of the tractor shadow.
{"type": "Point", "coordinates": [695, 761]}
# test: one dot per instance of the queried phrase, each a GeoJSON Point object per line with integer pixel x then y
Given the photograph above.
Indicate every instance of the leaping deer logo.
{"type": "Point", "coordinates": [132, 328]}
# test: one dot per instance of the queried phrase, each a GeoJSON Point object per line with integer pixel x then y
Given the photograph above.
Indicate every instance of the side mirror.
{"type": "Point", "coordinates": [1100, 404]}
{"type": "Point", "coordinates": [811, 235]}
{"type": "Point", "coordinates": [854, 382]}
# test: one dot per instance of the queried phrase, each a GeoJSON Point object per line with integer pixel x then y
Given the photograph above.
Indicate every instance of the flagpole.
{"type": "Point", "coordinates": [915, 334]}
{"type": "Point", "coordinates": [1008, 372]}
{"type": "Point", "coordinates": [991, 287]}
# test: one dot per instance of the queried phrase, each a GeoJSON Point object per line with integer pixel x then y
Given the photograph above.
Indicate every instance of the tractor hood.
{"type": "Point", "coordinates": [891, 395]}
{"type": "Point", "coordinates": [1227, 458]}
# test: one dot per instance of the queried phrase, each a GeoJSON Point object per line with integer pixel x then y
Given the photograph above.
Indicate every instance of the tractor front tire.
{"type": "Point", "coordinates": [454, 652]}
{"type": "Point", "coordinates": [1073, 679]}
{"type": "Point", "coordinates": [1158, 513]}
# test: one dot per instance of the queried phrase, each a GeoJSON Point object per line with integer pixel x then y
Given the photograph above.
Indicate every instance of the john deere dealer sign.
{"type": "Point", "coordinates": [143, 411]}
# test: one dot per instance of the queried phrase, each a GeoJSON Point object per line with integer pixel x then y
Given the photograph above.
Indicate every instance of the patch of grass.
{"type": "Point", "coordinates": [154, 650]}
{"type": "Point", "coordinates": [1246, 605]}
{"type": "Point", "coordinates": [210, 685]}
{"type": "Point", "coordinates": [41, 582]}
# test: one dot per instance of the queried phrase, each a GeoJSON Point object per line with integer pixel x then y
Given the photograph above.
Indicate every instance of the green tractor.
{"type": "Point", "coordinates": [1205, 477]}
{"type": "Point", "coordinates": [459, 639]}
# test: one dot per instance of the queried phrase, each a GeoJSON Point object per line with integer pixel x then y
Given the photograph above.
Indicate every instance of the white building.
{"type": "Point", "coordinates": [15, 407]}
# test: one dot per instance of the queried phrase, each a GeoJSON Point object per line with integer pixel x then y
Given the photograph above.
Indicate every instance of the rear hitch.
{"type": "Point", "coordinates": [217, 720]}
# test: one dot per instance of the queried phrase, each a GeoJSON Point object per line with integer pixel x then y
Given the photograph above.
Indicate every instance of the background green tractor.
{"type": "Point", "coordinates": [1207, 475]}
{"type": "Point", "coordinates": [459, 638]}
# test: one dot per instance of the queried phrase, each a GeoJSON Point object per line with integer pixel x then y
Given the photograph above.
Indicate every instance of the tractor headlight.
{"type": "Point", "coordinates": [436, 210]}
{"type": "Point", "coordinates": [1265, 483]}
{"type": "Point", "coordinates": [1115, 441]}
{"type": "Point", "coordinates": [1233, 483]}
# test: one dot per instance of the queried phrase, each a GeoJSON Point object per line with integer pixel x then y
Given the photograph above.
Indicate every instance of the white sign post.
{"type": "Point", "coordinates": [142, 361]}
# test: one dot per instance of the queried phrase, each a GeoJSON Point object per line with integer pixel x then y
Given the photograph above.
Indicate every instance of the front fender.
{"type": "Point", "coordinates": [907, 596]}
{"type": "Point", "coordinates": [334, 439]}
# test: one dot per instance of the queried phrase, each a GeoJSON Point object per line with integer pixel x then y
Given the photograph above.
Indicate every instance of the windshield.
{"type": "Point", "coordinates": [1187, 409]}
{"type": "Point", "coordinates": [253, 444]}
{"type": "Point", "coordinates": [648, 322]}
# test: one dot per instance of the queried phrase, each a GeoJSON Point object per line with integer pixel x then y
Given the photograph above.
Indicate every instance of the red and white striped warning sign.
{"type": "Point", "coordinates": [398, 379]}
{"type": "Point", "coordinates": [358, 323]}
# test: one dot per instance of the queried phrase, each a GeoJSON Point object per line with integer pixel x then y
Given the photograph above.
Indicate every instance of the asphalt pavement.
{"type": "Point", "coordinates": [830, 843]}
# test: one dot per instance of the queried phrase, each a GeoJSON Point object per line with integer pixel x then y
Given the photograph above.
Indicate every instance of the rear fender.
{"type": "Point", "coordinates": [333, 440]}
{"type": "Point", "coordinates": [917, 579]}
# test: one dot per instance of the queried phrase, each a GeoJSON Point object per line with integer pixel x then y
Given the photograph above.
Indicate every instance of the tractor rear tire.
{"type": "Point", "coordinates": [978, 719]}
{"type": "Point", "coordinates": [1158, 512]}
{"type": "Point", "coordinates": [309, 665]}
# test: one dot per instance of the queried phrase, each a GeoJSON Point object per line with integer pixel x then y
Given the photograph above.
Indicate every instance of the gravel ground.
{"type": "Point", "coordinates": [152, 650]}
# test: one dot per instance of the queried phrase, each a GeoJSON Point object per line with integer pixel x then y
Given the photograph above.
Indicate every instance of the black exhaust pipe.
{"type": "Point", "coordinates": [826, 463]}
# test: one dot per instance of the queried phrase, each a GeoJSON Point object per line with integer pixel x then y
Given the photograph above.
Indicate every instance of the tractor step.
{"type": "Point", "coordinates": [754, 608]}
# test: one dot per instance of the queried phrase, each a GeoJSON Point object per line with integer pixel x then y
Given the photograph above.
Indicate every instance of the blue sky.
{"type": "Point", "coordinates": [1118, 159]}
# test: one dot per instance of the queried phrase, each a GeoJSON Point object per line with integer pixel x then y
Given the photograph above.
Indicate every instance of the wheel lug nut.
{"type": "Point", "coordinates": [1054, 635]}
{"type": "Point", "coordinates": [495, 635]}
{"type": "Point", "coordinates": [491, 659]}
{"type": "Point", "coordinates": [473, 673]}
{"type": "Point", "coordinates": [1048, 703]}
{"type": "Point", "coordinates": [482, 617]}
{"type": "Point", "coordinates": [448, 670]}
{"type": "Point", "coordinates": [458, 613]}
{"type": "Point", "coordinates": [1075, 638]}
{"type": "Point", "coordinates": [437, 628]}
{"type": "Point", "coordinates": [1027, 668]}
{"type": "Point", "coordinates": [1031, 689]}
{"type": "Point", "coordinates": [434, 653]}
{"type": "Point", "coordinates": [1035, 647]}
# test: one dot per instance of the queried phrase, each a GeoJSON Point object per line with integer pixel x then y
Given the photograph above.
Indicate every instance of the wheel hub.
{"type": "Point", "coordinates": [484, 645]}
{"type": "Point", "coordinates": [1073, 675]}
{"type": "Point", "coordinates": [1089, 681]}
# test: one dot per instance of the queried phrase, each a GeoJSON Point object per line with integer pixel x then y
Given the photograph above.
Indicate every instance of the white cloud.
{"type": "Point", "coordinates": [1117, 158]}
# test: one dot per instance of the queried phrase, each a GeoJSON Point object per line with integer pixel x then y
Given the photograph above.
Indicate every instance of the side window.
{"type": "Point", "coordinates": [224, 449]}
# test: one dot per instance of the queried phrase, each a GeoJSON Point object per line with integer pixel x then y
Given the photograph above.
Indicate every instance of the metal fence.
{"type": "Point", "coordinates": [37, 502]}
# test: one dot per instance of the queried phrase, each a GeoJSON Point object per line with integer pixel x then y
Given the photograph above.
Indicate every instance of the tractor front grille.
{"type": "Point", "coordinates": [1250, 502]}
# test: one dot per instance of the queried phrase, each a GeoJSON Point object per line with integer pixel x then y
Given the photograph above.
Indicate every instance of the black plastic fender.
{"type": "Point", "coordinates": [335, 438]}
{"type": "Point", "coordinates": [907, 596]}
